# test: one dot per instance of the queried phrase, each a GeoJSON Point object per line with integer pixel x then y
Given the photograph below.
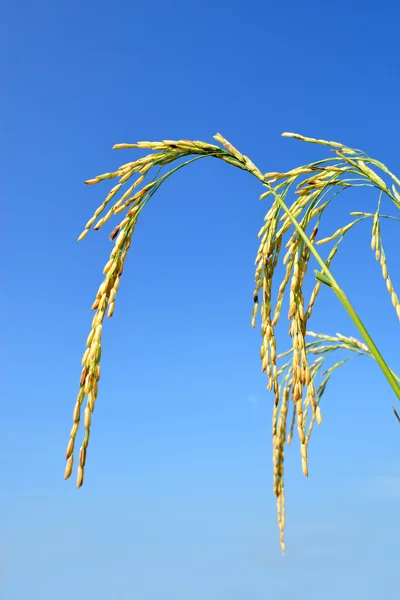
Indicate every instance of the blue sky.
{"type": "Point", "coordinates": [177, 501]}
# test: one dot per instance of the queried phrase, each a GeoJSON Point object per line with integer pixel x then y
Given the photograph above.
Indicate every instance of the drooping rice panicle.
{"type": "Point", "coordinates": [380, 255]}
{"type": "Point", "coordinates": [91, 359]}
{"type": "Point", "coordinates": [345, 149]}
{"type": "Point", "coordinates": [308, 190]}
{"type": "Point", "coordinates": [168, 151]}
{"type": "Point", "coordinates": [279, 440]}
{"type": "Point", "coordinates": [339, 232]}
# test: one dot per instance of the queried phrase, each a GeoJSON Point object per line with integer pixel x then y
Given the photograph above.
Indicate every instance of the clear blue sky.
{"type": "Point", "coordinates": [177, 502]}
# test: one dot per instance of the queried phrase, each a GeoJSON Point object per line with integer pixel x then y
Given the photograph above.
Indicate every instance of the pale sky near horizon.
{"type": "Point", "coordinates": [177, 502]}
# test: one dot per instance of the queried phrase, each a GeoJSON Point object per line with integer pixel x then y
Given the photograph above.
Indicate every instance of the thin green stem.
{"type": "Point", "coordinates": [368, 340]}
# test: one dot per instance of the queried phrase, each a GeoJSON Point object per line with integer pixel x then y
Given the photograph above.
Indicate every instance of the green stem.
{"type": "Point", "coordinates": [368, 340]}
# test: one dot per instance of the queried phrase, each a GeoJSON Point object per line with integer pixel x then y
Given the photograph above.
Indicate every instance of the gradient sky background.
{"type": "Point", "coordinates": [177, 502]}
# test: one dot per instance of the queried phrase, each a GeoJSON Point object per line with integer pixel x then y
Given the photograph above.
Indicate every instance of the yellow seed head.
{"type": "Point", "coordinates": [76, 413]}
{"type": "Point", "coordinates": [90, 222]}
{"type": "Point", "coordinates": [82, 456]}
{"type": "Point", "coordinates": [92, 352]}
{"type": "Point", "coordinates": [83, 376]}
{"type": "Point", "coordinates": [273, 354]}
{"type": "Point", "coordinates": [97, 334]}
{"type": "Point", "coordinates": [88, 383]}
{"type": "Point", "coordinates": [91, 400]}
{"type": "Point", "coordinates": [146, 168]}
{"type": "Point", "coordinates": [88, 417]}
{"type": "Point", "coordinates": [108, 266]}
{"type": "Point", "coordinates": [85, 356]}
{"type": "Point", "coordinates": [303, 451]}
{"type": "Point", "coordinates": [74, 430]}
{"type": "Point", "coordinates": [126, 177]}
{"type": "Point", "coordinates": [68, 468]}
{"type": "Point", "coordinates": [79, 479]}
{"type": "Point", "coordinates": [70, 448]}
{"type": "Point", "coordinates": [301, 435]}
{"type": "Point", "coordinates": [83, 234]}
{"type": "Point", "coordinates": [103, 288]}
{"type": "Point", "coordinates": [103, 303]}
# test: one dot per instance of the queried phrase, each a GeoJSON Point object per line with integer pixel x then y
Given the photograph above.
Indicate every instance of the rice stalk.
{"type": "Point", "coordinates": [288, 238]}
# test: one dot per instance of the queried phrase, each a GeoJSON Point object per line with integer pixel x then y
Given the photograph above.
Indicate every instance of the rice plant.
{"type": "Point", "coordinates": [297, 201]}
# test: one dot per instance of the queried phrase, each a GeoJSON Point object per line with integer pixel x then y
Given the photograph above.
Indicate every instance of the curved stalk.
{"type": "Point", "coordinates": [298, 373]}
